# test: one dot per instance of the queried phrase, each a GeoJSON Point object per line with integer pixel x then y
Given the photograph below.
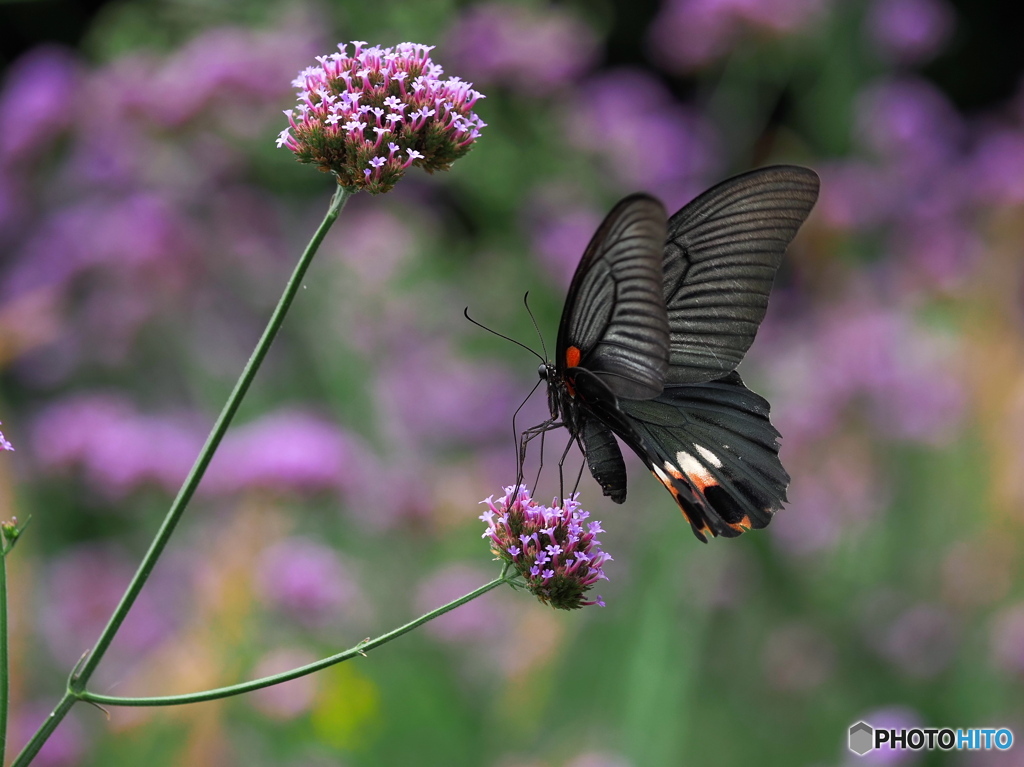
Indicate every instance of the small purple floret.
{"type": "Point", "coordinates": [542, 543]}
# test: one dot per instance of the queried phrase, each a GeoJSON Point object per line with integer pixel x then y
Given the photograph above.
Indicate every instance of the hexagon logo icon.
{"type": "Point", "coordinates": [862, 738]}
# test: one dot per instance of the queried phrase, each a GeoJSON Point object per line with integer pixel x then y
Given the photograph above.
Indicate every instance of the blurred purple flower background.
{"type": "Point", "coordinates": [528, 50]}
{"type": "Point", "coordinates": [147, 225]}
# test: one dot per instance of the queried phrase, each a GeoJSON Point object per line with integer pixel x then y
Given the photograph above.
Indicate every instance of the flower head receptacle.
{"type": "Point", "coordinates": [554, 548]}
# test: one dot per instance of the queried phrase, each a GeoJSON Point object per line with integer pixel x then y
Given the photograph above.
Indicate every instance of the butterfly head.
{"type": "Point", "coordinates": [547, 373]}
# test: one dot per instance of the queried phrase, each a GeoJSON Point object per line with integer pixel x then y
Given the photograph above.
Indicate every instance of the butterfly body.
{"type": "Point", "coordinates": [658, 315]}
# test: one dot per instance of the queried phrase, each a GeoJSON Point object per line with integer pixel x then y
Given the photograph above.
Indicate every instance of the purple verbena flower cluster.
{"type": "Point", "coordinates": [4, 443]}
{"type": "Point", "coordinates": [370, 116]}
{"type": "Point", "coordinates": [553, 547]}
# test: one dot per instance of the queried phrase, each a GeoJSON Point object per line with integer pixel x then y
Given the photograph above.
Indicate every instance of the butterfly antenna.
{"type": "Point", "coordinates": [526, 302]}
{"type": "Point", "coordinates": [499, 335]}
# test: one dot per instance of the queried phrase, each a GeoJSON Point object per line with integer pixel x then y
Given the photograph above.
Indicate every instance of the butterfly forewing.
{"type": "Point", "coordinates": [720, 260]}
{"type": "Point", "coordinates": [614, 323]}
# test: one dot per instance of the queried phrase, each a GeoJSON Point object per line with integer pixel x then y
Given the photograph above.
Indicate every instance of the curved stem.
{"type": "Point", "coordinates": [237, 689]}
{"type": "Point", "coordinates": [79, 678]}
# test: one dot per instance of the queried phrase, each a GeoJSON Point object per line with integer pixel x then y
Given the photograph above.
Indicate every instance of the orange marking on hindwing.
{"type": "Point", "coordinates": [572, 356]}
{"type": "Point", "coordinates": [663, 479]}
{"type": "Point", "coordinates": [694, 470]}
{"type": "Point", "coordinates": [702, 481]}
{"type": "Point", "coordinates": [742, 526]}
{"type": "Point", "coordinates": [660, 476]}
{"type": "Point", "coordinates": [666, 480]}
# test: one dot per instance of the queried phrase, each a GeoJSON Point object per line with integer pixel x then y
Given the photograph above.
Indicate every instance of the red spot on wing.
{"type": "Point", "coordinates": [572, 356]}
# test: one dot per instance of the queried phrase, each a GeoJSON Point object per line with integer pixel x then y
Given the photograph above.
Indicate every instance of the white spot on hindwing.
{"type": "Point", "coordinates": [688, 464]}
{"type": "Point", "coordinates": [708, 456]}
{"type": "Point", "coordinates": [694, 470]}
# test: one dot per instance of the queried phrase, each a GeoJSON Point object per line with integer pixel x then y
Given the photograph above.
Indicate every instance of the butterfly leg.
{"type": "Point", "coordinates": [525, 438]}
{"type": "Point", "coordinates": [518, 439]}
{"type": "Point", "coordinates": [561, 463]}
{"type": "Point", "coordinates": [540, 463]}
{"type": "Point", "coordinates": [579, 474]}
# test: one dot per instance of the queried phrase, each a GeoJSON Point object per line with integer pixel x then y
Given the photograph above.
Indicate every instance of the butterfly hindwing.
{"type": "Point", "coordinates": [720, 260]}
{"type": "Point", "coordinates": [715, 450]}
{"type": "Point", "coordinates": [614, 323]}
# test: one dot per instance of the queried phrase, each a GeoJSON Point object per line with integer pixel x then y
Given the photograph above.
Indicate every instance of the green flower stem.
{"type": "Point", "coordinates": [257, 684]}
{"type": "Point", "coordinates": [79, 678]}
{"type": "Point", "coordinates": [5, 680]}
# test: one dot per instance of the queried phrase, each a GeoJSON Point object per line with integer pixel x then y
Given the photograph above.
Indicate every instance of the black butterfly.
{"type": "Point", "coordinates": [658, 316]}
